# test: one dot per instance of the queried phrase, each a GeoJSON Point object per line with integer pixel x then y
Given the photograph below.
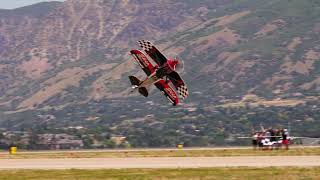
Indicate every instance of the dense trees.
{"type": "Point", "coordinates": [167, 127]}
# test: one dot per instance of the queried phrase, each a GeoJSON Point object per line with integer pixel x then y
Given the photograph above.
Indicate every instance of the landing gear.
{"type": "Point", "coordinates": [133, 88]}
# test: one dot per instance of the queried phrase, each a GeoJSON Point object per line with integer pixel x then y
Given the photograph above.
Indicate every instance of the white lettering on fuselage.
{"type": "Point", "coordinates": [143, 59]}
{"type": "Point", "coordinates": [170, 92]}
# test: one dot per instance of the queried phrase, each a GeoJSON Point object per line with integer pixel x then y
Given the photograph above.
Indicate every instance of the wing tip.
{"type": "Point", "coordinates": [183, 92]}
{"type": "Point", "coordinates": [145, 45]}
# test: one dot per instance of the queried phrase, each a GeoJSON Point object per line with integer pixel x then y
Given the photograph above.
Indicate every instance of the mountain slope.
{"type": "Point", "coordinates": [251, 39]}
{"type": "Point", "coordinates": [78, 33]}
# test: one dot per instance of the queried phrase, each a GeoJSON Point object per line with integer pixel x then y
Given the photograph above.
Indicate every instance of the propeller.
{"type": "Point", "coordinates": [175, 56]}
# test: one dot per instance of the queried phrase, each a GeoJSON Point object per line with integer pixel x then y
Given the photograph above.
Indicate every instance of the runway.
{"type": "Point", "coordinates": [161, 162]}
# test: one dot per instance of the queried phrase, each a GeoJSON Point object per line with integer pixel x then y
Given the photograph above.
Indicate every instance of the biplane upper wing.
{"type": "Point", "coordinates": [166, 89]}
{"type": "Point", "coordinates": [153, 52]}
{"type": "Point", "coordinates": [179, 84]}
{"type": "Point", "coordinates": [143, 61]}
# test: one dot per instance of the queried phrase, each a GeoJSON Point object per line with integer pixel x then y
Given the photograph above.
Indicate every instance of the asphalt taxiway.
{"type": "Point", "coordinates": [160, 162]}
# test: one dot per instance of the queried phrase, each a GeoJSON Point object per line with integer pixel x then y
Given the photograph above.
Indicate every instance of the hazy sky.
{"type": "Point", "coordinates": [11, 4]}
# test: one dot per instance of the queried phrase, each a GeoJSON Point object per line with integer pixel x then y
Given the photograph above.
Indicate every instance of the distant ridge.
{"type": "Point", "coordinates": [35, 10]}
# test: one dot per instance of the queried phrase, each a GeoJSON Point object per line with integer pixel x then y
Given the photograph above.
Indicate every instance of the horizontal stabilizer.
{"type": "Point", "coordinates": [143, 91]}
{"type": "Point", "coordinates": [134, 81]}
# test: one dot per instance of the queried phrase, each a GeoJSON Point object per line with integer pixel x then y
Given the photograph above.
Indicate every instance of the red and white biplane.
{"type": "Point", "coordinates": [160, 74]}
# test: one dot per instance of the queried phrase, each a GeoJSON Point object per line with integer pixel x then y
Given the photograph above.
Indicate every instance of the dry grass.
{"type": "Point", "coordinates": [289, 173]}
{"type": "Point", "coordinates": [268, 103]}
{"type": "Point", "coordinates": [225, 20]}
{"type": "Point", "coordinates": [226, 35]}
{"type": "Point", "coordinates": [295, 42]}
{"type": "Point", "coordinates": [57, 84]}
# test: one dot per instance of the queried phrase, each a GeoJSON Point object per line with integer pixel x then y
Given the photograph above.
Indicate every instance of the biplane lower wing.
{"type": "Point", "coordinates": [143, 61]}
{"type": "Point", "coordinates": [166, 89]}
{"type": "Point", "coordinates": [179, 84]}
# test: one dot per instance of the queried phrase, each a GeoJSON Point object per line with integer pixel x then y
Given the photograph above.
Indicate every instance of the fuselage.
{"type": "Point", "coordinates": [160, 73]}
{"type": "Point", "coordinates": [150, 80]}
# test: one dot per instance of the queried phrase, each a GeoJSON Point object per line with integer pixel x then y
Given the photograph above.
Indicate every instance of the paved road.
{"type": "Point", "coordinates": [172, 162]}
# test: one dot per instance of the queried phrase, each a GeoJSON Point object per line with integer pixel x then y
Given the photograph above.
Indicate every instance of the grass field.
{"type": "Point", "coordinates": [167, 174]}
{"type": "Point", "coordinates": [163, 153]}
